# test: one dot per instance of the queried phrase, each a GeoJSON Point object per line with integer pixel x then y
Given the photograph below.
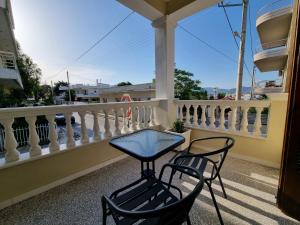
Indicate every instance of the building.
{"type": "Point", "coordinates": [89, 93]}
{"type": "Point", "coordinates": [276, 35]}
{"type": "Point", "coordinates": [9, 73]}
{"type": "Point", "coordinates": [137, 92]}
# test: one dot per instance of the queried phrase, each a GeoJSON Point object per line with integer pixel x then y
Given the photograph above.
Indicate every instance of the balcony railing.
{"type": "Point", "coordinates": [248, 118]}
{"type": "Point", "coordinates": [126, 117]}
{"type": "Point", "coordinates": [8, 60]}
{"type": "Point", "coordinates": [271, 45]}
{"type": "Point", "coordinates": [273, 6]}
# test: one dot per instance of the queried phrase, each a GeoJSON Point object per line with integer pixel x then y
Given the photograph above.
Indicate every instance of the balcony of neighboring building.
{"type": "Point", "coordinates": [270, 58]}
{"type": "Point", "coordinates": [268, 86]}
{"type": "Point", "coordinates": [273, 21]}
{"type": "Point", "coordinates": [9, 73]}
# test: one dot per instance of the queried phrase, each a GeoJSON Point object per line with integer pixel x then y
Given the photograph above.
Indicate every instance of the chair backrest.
{"type": "Point", "coordinates": [175, 213]}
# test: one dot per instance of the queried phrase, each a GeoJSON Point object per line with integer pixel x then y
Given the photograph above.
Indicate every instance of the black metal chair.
{"type": "Point", "coordinates": [200, 162]}
{"type": "Point", "coordinates": [150, 200]}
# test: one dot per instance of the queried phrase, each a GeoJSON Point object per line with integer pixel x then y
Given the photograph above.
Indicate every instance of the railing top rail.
{"type": "Point", "coordinates": [49, 110]}
{"type": "Point", "coordinates": [7, 53]}
{"type": "Point", "coordinates": [271, 45]}
{"type": "Point", "coordinates": [226, 103]}
{"type": "Point", "coordinates": [275, 5]}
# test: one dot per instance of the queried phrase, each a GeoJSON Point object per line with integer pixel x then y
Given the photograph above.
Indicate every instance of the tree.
{"type": "Point", "coordinates": [73, 95]}
{"type": "Point", "coordinates": [30, 75]}
{"type": "Point", "coordinates": [221, 95]}
{"type": "Point", "coordinates": [45, 93]}
{"type": "Point", "coordinates": [124, 83]}
{"type": "Point", "coordinates": [186, 88]}
{"type": "Point", "coordinates": [57, 85]}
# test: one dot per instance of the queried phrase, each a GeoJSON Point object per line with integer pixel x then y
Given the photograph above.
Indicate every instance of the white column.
{"type": "Point", "coordinates": [164, 68]}
{"type": "Point", "coordinates": [257, 123]}
{"type": "Point", "coordinates": [35, 148]}
{"type": "Point", "coordinates": [195, 118]}
{"type": "Point", "coordinates": [125, 121]}
{"type": "Point", "coordinates": [233, 119]}
{"type": "Point", "coordinates": [10, 143]}
{"type": "Point", "coordinates": [188, 115]}
{"type": "Point", "coordinates": [96, 129]}
{"type": "Point", "coordinates": [212, 117]}
{"type": "Point", "coordinates": [107, 132]}
{"type": "Point", "coordinates": [180, 112]}
{"type": "Point", "coordinates": [138, 118]}
{"type": "Point", "coordinates": [83, 132]}
{"type": "Point", "coordinates": [203, 116]}
{"type": "Point", "coordinates": [244, 122]}
{"type": "Point", "coordinates": [117, 131]}
{"type": "Point", "coordinates": [53, 146]}
{"type": "Point", "coordinates": [133, 119]}
{"type": "Point", "coordinates": [70, 132]}
{"type": "Point", "coordinates": [222, 118]}
{"type": "Point", "coordinates": [152, 119]}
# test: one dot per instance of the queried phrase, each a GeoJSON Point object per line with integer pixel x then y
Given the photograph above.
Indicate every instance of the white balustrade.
{"type": "Point", "coordinates": [10, 143]}
{"type": "Point", "coordinates": [142, 116]}
{"type": "Point", "coordinates": [251, 127]}
{"type": "Point", "coordinates": [34, 139]}
{"type": "Point", "coordinates": [96, 130]}
{"type": "Point", "coordinates": [83, 131]}
{"type": "Point", "coordinates": [117, 130]}
{"type": "Point", "coordinates": [53, 146]}
{"type": "Point", "coordinates": [69, 130]}
{"type": "Point", "coordinates": [107, 132]}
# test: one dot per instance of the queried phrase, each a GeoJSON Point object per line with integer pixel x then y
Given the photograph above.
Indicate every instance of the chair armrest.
{"type": "Point", "coordinates": [180, 168]}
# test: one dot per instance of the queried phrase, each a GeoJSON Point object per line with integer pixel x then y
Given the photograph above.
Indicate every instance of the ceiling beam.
{"type": "Point", "coordinates": [142, 8]}
{"type": "Point", "coordinates": [192, 8]}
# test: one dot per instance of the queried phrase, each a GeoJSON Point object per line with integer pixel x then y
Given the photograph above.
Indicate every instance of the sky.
{"type": "Point", "coordinates": [55, 32]}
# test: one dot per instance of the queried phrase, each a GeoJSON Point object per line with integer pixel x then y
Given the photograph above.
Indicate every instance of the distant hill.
{"type": "Point", "coordinates": [210, 90]}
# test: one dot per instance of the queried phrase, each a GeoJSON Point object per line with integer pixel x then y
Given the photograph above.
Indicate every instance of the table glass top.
{"type": "Point", "coordinates": [147, 142]}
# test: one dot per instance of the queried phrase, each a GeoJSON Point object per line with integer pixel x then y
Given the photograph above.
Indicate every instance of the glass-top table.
{"type": "Point", "coordinates": [147, 145]}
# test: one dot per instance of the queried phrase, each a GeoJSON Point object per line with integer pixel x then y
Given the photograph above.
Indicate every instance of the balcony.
{"type": "Point", "coordinates": [268, 86]}
{"type": "Point", "coordinates": [9, 73]}
{"type": "Point", "coordinates": [271, 56]}
{"type": "Point", "coordinates": [277, 14]}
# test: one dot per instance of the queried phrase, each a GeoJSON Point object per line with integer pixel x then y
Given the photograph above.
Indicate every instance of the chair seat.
{"type": "Point", "coordinates": [149, 194]}
{"type": "Point", "coordinates": [198, 163]}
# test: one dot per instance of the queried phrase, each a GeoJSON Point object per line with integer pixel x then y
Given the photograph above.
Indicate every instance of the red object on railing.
{"type": "Point", "coordinates": [127, 98]}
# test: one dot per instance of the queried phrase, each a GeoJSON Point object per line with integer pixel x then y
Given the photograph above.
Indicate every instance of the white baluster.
{"type": "Point", "coordinates": [152, 120]}
{"type": "Point", "coordinates": [203, 116]}
{"type": "Point", "coordinates": [52, 136]}
{"type": "Point", "coordinates": [257, 123]}
{"type": "Point", "coordinates": [34, 139]}
{"type": "Point", "coordinates": [10, 143]}
{"type": "Point", "coordinates": [222, 118]}
{"type": "Point", "coordinates": [195, 115]}
{"type": "Point", "coordinates": [233, 119]}
{"type": "Point", "coordinates": [83, 132]}
{"type": "Point", "coordinates": [213, 117]}
{"type": "Point", "coordinates": [138, 118]}
{"type": "Point", "coordinates": [117, 131]}
{"type": "Point", "coordinates": [133, 119]}
{"type": "Point", "coordinates": [147, 116]}
{"type": "Point", "coordinates": [143, 117]}
{"type": "Point", "coordinates": [96, 129]}
{"type": "Point", "coordinates": [125, 121]}
{"type": "Point", "coordinates": [188, 115]}
{"type": "Point", "coordinates": [244, 122]}
{"type": "Point", "coordinates": [107, 132]}
{"type": "Point", "coordinates": [70, 132]}
{"type": "Point", "coordinates": [181, 112]}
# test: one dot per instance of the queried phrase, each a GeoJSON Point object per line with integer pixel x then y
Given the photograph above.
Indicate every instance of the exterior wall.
{"type": "Point", "coordinates": [23, 178]}
{"type": "Point", "coordinates": [266, 151]}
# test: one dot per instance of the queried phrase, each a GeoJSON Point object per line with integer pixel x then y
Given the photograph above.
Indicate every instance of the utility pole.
{"type": "Point", "coordinates": [69, 87]}
{"type": "Point", "coordinates": [252, 83]}
{"type": "Point", "coordinates": [239, 81]}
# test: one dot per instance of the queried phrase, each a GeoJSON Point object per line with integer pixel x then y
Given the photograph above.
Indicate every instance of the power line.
{"type": "Point", "coordinates": [229, 23]}
{"type": "Point", "coordinates": [250, 25]}
{"type": "Point", "coordinates": [95, 44]}
{"type": "Point", "coordinates": [207, 44]}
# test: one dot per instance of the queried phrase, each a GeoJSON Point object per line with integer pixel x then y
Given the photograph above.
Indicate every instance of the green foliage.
{"type": "Point", "coordinates": [57, 85]}
{"type": "Point", "coordinates": [73, 95]}
{"type": "Point", "coordinates": [221, 95]}
{"type": "Point", "coordinates": [186, 88]}
{"type": "Point", "coordinates": [126, 83]}
{"type": "Point", "coordinates": [178, 126]}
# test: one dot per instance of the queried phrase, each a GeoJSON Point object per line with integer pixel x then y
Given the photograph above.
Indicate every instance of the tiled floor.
{"type": "Point", "coordinates": [251, 190]}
